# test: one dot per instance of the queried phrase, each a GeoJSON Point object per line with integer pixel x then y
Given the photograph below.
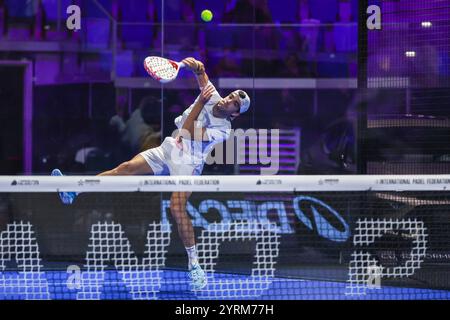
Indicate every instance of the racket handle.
{"type": "Point", "coordinates": [182, 65]}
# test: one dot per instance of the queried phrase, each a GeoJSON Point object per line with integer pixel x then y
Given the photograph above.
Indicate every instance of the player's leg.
{"type": "Point", "coordinates": [136, 166]}
{"type": "Point", "coordinates": [178, 202]}
{"type": "Point", "coordinates": [144, 163]}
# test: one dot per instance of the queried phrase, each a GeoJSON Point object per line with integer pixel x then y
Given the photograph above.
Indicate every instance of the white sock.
{"type": "Point", "coordinates": [193, 258]}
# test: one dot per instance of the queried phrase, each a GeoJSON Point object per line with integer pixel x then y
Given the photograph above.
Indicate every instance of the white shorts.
{"type": "Point", "coordinates": [161, 160]}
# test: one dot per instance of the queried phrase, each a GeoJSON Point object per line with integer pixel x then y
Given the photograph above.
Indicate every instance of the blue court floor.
{"type": "Point", "coordinates": [174, 285]}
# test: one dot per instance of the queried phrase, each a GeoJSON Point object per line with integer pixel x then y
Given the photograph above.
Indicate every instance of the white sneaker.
{"type": "Point", "coordinates": [66, 197]}
{"type": "Point", "coordinates": [198, 277]}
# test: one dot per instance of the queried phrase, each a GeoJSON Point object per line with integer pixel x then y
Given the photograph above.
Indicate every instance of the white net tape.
{"type": "Point", "coordinates": [225, 183]}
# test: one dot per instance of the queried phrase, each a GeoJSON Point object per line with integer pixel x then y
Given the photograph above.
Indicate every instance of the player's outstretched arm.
{"type": "Point", "coordinates": [198, 68]}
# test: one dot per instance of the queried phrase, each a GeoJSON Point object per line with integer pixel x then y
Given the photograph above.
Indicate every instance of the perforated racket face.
{"type": "Point", "coordinates": [161, 69]}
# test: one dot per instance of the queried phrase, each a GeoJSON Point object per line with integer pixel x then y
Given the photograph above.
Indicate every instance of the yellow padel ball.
{"type": "Point", "coordinates": [207, 15]}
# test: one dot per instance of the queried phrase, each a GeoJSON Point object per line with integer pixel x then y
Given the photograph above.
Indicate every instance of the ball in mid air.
{"type": "Point", "coordinates": [206, 15]}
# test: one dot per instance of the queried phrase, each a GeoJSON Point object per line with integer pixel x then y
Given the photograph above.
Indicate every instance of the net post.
{"type": "Point", "coordinates": [361, 125]}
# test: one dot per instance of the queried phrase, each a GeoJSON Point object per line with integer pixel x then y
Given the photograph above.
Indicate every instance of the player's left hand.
{"type": "Point", "coordinates": [207, 93]}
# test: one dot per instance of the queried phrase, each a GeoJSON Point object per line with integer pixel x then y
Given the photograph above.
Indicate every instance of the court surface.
{"type": "Point", "coordinates": [175, 286]}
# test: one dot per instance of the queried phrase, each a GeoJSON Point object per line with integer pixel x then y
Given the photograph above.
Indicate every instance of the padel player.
{"type": "Point", "coordinates": [204, 124]}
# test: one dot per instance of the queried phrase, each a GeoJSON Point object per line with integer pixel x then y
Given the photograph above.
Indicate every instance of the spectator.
{"type": "Point", "coordinates": [141, 129]}
{"type": "Point", "coordinates": [262, 37]}
{"type": "Point", "coordinates": [292, 40]}
{"type": "Point", "coordinates": [21, 8]}
{"type": "Point", "coordinates": [227, 66]}
{"type": "Point", "coordinates": [247, 11]}
{"type": "Point", "coordinates": [294, 67]}
{"type": "Point", "coordinates": [187, 11]}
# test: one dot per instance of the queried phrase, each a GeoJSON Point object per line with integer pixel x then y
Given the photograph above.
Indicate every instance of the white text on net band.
{"type": "Point", "coordinates": [225, 183]}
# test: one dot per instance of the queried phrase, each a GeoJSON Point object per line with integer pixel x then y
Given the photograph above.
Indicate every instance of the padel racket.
{"type": "Point", "coordinates": [162, 69]}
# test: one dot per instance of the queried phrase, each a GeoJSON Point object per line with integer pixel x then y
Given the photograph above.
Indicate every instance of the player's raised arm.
{"type": "Point", "coordinates": [198, 68]}
{"type": "Point", "coordinates": [188, 129]}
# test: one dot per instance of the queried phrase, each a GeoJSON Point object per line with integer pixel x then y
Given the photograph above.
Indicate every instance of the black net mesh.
{"type": "Point", "coordinates": [406, 127]}
{"type": "Point", "coordinates": [257, 245]}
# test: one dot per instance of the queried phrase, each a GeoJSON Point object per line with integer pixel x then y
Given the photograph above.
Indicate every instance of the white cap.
{"type": "Point", "coordinates": [244, 100]}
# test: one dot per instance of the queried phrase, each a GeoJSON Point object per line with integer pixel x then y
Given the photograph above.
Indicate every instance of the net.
{"type": "Point", "coordinates": [405, 121]}
{"type": "Point", "coordinates": [262, 237]}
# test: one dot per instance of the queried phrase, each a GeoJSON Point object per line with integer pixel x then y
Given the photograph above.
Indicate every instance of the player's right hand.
{"type": "Point", "coordinates": [190, 63]}
{"type": "Point", "coordinates": [207, 93]}
{"type": "Point", "coordinates": [194, 65]}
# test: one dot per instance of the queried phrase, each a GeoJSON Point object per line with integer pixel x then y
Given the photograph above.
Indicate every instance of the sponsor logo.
{"type": "Point", "coordinates": [204, 182]}
{"type": "Point", "coordinates": [311, 212]}
{"type": "Point", "coordinates": [321, 225]}
{"type": "Point", "coordinates": [270, 182]}
{"type": "Point", "coordinates": [393, 257]}
{"type": "Point", "coordinates": [89, 182]}
{"type": "Point", "coordinates": [25, 183]}
{"type": "Point", "coordinates": [158, 182]}
{"type": "Point", "coordinates": [330, 182]}
{"type": "Point", "coordinates": [443, 257]}
{"type": "Point", "coordinates": [438, 181]}
{"type": "Point", "coordinates": [393, 181]}
{"type": "Point", "coordinates": [416, 181]}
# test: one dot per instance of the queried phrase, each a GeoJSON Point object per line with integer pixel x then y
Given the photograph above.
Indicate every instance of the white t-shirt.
{"type": "Point", "coordinates": [217, 129]}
